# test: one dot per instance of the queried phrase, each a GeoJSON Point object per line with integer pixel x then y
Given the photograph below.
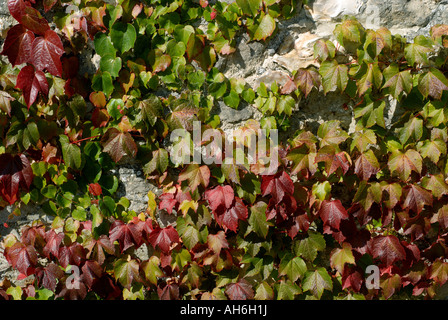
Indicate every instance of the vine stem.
{"type": "Point", "coordinates": [80, 140]}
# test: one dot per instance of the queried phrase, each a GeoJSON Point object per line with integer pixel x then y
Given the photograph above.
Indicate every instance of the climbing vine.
{"type": "Point", "coordinates": [336, 204]}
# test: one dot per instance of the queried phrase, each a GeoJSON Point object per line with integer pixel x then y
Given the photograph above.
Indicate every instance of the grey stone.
{"type": "Point", "coordinates": [227, 114]}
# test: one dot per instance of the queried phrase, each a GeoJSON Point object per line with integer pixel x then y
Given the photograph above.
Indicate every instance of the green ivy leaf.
{"type": "Point", "coordinates": [110, 64]}
{"type": "Point", "coordinates": [317, 281]}
{"type": "Point", "coordinates": [123, 36]}
{"type": "Point", "coordinates": [432, 84]}
{"type": "Point", "coordinates": [70, 153]}
{"type": "Point", "coordinates": [334, 76]}
{"type": "Point", "coordinates": [261, 28]}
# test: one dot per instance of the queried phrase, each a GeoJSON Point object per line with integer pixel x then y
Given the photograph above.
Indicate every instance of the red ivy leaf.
{"type": "Point", "coordinates": [18, 45]}
{"type": "Point", "coordinates": [229, 217]}
{"type": "Point", "coordinates": [220, 198]}
{"type": "Point", "coordinates": [46, 53]}
{"type": "Point", "coordinates": [168, 292]}
{"type": "Point", "coordinates": [277, 185]}
{"type": "Point", "coordinates": [49, 275]}
{"type": "Point", "coordinates": [54, 241]}
{"type": "Point", "coordinates": [91, 270]}
{"type": "Point", "coordinates": [22, 257]}
{"type": "Point", "coordinates": [127, 235]}
{"type": "Point", "coordinates": [242, 290]}
{"type": "Point", "coordinates": [170, 201]}
{"type": "Point", "coordinates": [97, 248]}
{"type": "Point", "coordinates": [15, 172]}
{"type": "Point", "coordinates": [164, 238]}
{"type": "Point", "coordinates": [31, 82]}
{"type": "Point", "coordinates": [332, 212]}
{"type": "Point", "coordinates": [95, 189]}
{"type": "Point", "coordinates": [28, 16]}
{"type": "Point", "coordinates": [388, 249]}
{"type": "Point", "coordinates": [73, 255]}
{"type": "Point", "coordinates": [416, 198]}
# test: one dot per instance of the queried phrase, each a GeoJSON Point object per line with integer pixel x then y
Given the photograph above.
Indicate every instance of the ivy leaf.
{"type": "Point", "coordinates": [164, 238]}
{"type": "Point", "coordinates": [393, 191]}
{"type": "Point", "coordinates": [5, 102]}
{"type": "Point", "coordinates": [127, 234]}
{"type": "Point", "coordinates": [333, 160]}
{"type": "Point", "coordinates": [416, 198]}
{"type": "Point", "coordinates": [293, 267]}
{"type": "Point", "coordinates": [334, 76]}
{"type": "Point", "coordinates": [377, 40]}
{"type": "Point", "coordinates": [15, 173]}
{"type": "Point", "coordinates": [249, 7]}
{"type": "Point", "coordinates": [31, 82]}
{"type": "Point", "coordinates": [417, 52]}
{"type": "Point", "coordinates": [324, 50]}
{"type": "Point", "coordinates": [217, 242]}
{"type": "Point", "coordinates": [404, 162]}
{"type": "Point", "coordinates": [18, 45]}
{"type": "Point", "coordinates": [432, 84]}
{"type": "Point", "coordinates": [28, 16]}
{"type": "Point", "coordinates": [123, 36]}
{"type": "Point", "coordinates": [257, 220]}
{"type": "Point", "coordinates": [436, 184]}
{"type": "Point", "coordinates": [158, 60]}
{"type": "Point", "coordinates": [306, 80]}
{"type": "Point", "coordinates": [230, 217]}
{"type": "Point", "coordinates": [332, 212]}
{"type": "Point", "coordinates": [54, 241]}
{"type": "Point", "coordinates": [264, 292]}
{"type": "Point", "coordinates": [317, 281]}
{"type": "Point", "coordinates": [432, 149]}
{"type": "Point", "coordinates": [46, 53]}
{"type": "Point", "coordinates": [310, 246]}
{"type": "Point", "coordinates": [366, 165]}
{"type": "Point", "coordinates": [126, 271]}
{"type": "Point", "coordinates": [439, 272]}
{"type": "Point", "coordinates": [372, 113]}
{"type": "Point", "coordinates": [103, 45]}
{"type": "Point", "coordinates": [70, 153]}
{"type": "Point", "coordinates": [331, 133]}
{"type": "Point", "coordinates": [22, 257]}
{"type": "Point", "coordinates": [182, 116]}
{"type": "Point", "coordinates": [371, 76]}
{"type": "Point", "coordinates": [151, 269]}
{"type": "Point", "coordinates": [150, 109]}
{"type": "Point", "coordinates": [287, 290]}
{"type": "Point", "coordinates": [158, 162]}
{"type": "Point", "coordinates": [413, 128]}
{"type": "Point", "coordinates": [278, 186]}
{"type": "Point", "coordinates": [168, 292]}
{"type": "Point", "coordinates": [242, 290]}
{"type": "Point", "coordinates": [110, 64]}
{"type": "Point", "coordinates": [91, 270]}
{"type": "Point", "coordinates": [398, 83]}
{"type": "Point", "coordinates": [49, 275]}
{"type": "Point", "coordinates": [340, 256]}
{"type": "Point", "coordinates": [196, 175]}
{"type": "Point", "coordinates": [388, 249]}
{"type": "Point", "coordinates": [442, 216]}
{"type": "Point", "coordinates": [97, 248]}
{"type": "Point", "coordinates": [261, 28]}
{"type": "Point", "coordinates": [302, 158]}
{"type": "Point", "coordinates": [118, 144]}
{"type": "Point", "coordinates": [220, 198]}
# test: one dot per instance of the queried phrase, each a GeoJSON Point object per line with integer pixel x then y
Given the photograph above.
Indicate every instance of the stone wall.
{"type": "Point", "coordinates": [289, 49]}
